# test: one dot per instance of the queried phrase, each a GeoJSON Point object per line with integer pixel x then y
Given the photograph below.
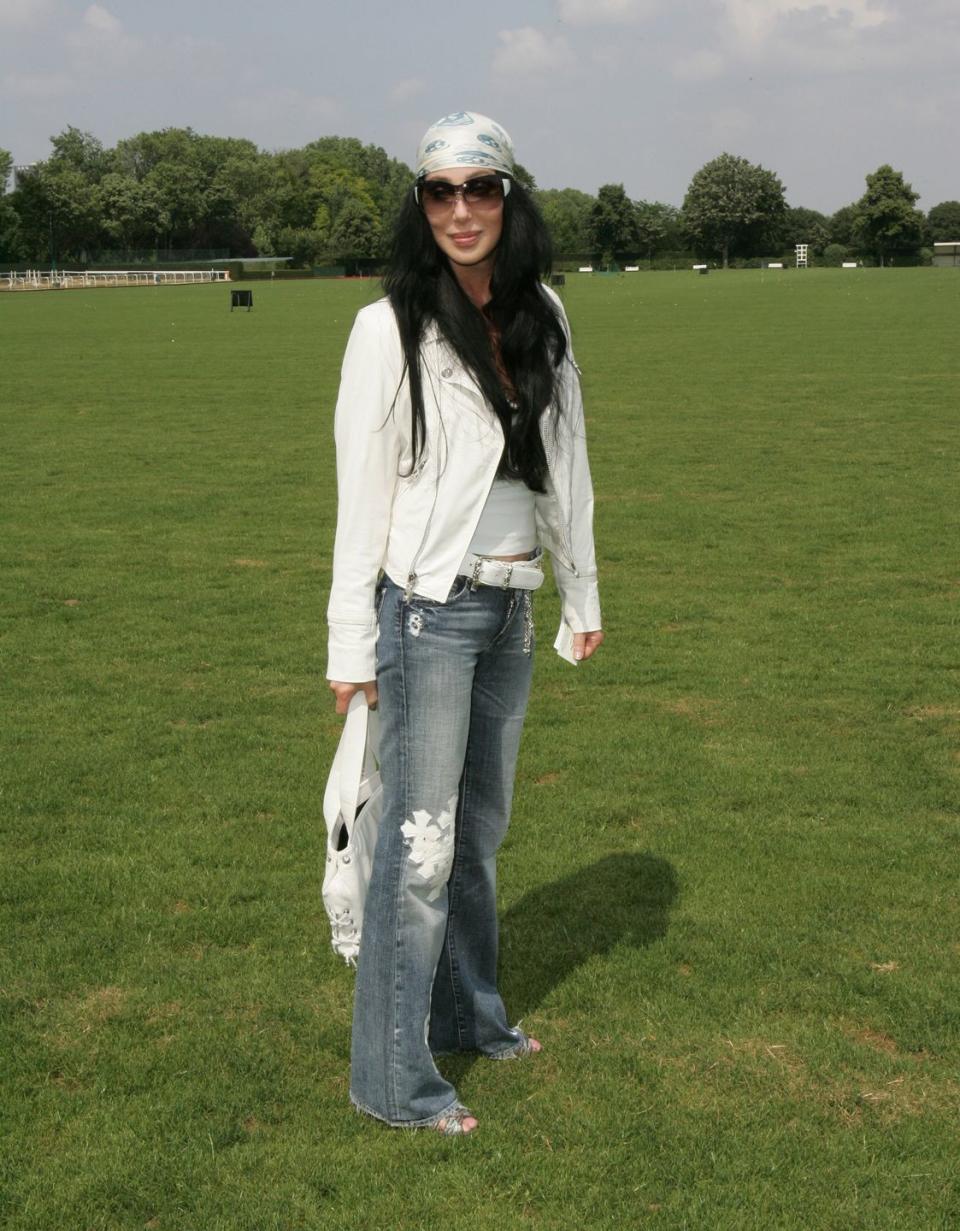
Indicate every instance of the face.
{"type": "Point", "coordinates": [468, 235]}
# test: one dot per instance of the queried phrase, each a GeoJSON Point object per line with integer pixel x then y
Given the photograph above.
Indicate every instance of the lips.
{"type": "Point", "coordinates": [466, 239]}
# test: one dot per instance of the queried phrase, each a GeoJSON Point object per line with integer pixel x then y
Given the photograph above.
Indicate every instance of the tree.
{"type": "Point", "coordinates": [75, 209]}
{"type": "Point", "coordinates": [29, 203]}
{"type": "Point", "coordinates": [842, 226]}
{"type": "Point", "coordinates": [805, 226]}
{"type": "Point", "coordinates": [834, 255]}
{"type": "Point", "coordinates": [290, 197]}
{"type": "Point", "coordinates": [612, 223]}
{"type": "Point", "coordinates": [887, 222]}
{"type": "Point", "coordinates": [57, 203]}
{"type": "Point", "coordinates": [355, 231]}
{"type": "Point", "coordinates": [943, 222]}
{"type": "Point", "coordinates": [264, 241]}
{"type": "Point", "coordinates": [566, 212]}
{"type": "Point", "coordinates": [59, 213]}
{"type": "Point", "coordinates": [658, 227]}
{"type": "Point", "coordinates": [80, 151]}
{"type": "Point", "coordinates": [133, 216]}
{"type": "Point", "coordinates": [303, 245]}
{"type": "Point", "coordinates": [382, 181]}
{"type": "Point", "coordinates": [10, 248]}
{"type": "Point", "coordinates": [179, 188]}
{"type": "Point", "coordinates": [524, 177]}
{"type": "Point", "coordinates": [732, 206]}
{"type": "Point", "coordinates": [233, 199]}
{"type": "Point", "coordinates": [177, 164]}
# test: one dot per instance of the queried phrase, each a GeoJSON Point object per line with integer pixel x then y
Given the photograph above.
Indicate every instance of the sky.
{"type": "Point", "coordinates": [638, 92]}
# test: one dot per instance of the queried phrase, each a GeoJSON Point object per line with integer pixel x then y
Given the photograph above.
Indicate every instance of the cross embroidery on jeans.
{"type": "Point", "coordinates": [430, 841]}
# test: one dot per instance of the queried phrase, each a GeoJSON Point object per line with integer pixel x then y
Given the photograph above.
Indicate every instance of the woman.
{"type": "Point", "coordinates": [460, 453]}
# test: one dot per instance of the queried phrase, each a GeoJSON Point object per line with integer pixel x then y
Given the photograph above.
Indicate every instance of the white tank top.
{"type": "Point", "coordinates": [507, 524]}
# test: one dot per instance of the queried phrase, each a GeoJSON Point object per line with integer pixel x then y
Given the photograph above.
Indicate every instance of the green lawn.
{"type": "Point", "coordinates": [730, 890]}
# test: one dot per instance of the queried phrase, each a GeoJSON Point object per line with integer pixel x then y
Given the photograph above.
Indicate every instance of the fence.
{"type": "Point", "coordinates": [65, 279]}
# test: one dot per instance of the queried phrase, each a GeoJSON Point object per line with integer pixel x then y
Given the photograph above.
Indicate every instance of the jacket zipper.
{"type": "Point", "coordinates": [561, 527]}
{"type": "Point", "coordinates": [412, 574]}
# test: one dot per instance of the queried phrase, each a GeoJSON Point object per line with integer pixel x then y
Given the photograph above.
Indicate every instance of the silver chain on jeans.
{"type": "Point", "coordinates": [527, 623]}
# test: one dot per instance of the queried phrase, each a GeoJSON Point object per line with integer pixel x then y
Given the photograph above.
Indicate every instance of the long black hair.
{"type": "Point", "coordinates": [519, 321]}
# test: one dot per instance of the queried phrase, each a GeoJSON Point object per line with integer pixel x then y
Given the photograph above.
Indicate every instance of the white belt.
{"type": "Point", "coordinates": [507, 574]}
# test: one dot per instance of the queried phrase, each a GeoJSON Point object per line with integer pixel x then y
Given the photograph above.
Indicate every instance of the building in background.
{"type": "Point", "coordinates": [945, 254]}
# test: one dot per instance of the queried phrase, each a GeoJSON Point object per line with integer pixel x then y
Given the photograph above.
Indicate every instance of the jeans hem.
{"type": "Point", "coordinates": [428, 1122]}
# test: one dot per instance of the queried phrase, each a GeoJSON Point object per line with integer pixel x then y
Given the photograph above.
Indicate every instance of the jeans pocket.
{"type": "Point", "coordinates": [460, 587]}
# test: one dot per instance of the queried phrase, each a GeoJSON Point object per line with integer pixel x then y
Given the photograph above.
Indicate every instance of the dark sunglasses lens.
{"type": "Point", "coordinates": [436, 192]}
{"type": "Point", "coordinates": [479, 192]}
{"type": "Point", "coordinates": [485, 191]}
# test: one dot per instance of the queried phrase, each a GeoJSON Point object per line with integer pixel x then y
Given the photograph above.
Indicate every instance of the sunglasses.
{"type": "Point", "coordinates": [482, 192]}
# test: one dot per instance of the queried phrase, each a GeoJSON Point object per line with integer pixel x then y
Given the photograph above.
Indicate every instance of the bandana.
{"type": "Point", "coordinates": [465, 139]}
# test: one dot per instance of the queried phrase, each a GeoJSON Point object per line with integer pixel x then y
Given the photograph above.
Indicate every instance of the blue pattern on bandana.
{"type": "Point", "coordinates": [465, 139]}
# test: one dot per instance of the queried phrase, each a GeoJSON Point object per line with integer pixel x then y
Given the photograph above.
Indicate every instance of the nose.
{"type": "Point", "coordinates": [460, 208]}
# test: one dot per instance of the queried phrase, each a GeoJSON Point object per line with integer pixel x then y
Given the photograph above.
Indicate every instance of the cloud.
{"type": "Point", "coordinates": [605, 12]}
{"type": "Point", "coordinates": [23, 14]}
{"type": "Point", "coordinates": [702, 65]}
{"type": "Point", "coordinates": [529, 50]}
{"type": "Point", "coordinates": [728, 125]}
{"type": "Point", "coordinates": [101, 21]}
{"type": "Point", "coordinates": [101, 33]}
{"type": "Point", "coordinates": [754, 21]}
{"type": "Point", "coordinates": [189, 53]}
{"type": "Point", "coordinates": [37, 85]}
{"type": "Point", "coordinates": [822, 38]}
{"type": "Point", "coordinates": [288, 110]}
{"type": "Point", "coordinates": [411, 87]}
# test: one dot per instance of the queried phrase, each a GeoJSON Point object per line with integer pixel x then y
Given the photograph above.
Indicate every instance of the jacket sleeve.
{"type": "Point", "coordinates": [578, 589]}
{"type": "Point", "coordinates": [369, 448]}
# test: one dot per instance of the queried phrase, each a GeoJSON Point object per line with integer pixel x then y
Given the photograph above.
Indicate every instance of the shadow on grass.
{"type": "Point", "coordinates": [553, 929]}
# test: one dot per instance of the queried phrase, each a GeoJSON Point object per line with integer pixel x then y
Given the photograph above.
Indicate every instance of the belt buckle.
{"type": "Point", "coordinates": [508, 573]}
{"type": "Point", "coordinates": [475, 575]}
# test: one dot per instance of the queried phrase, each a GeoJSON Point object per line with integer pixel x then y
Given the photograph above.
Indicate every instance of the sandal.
{"type": "Point", "coordinates": [454, 1123]}
{"type": "Point", "coordinates": [525, 1046]}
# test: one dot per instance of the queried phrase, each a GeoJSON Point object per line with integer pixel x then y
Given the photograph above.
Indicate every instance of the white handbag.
{"type": "Point", "coordinates": [352, 805]}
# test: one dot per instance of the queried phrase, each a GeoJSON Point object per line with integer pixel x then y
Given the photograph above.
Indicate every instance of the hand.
{"type": "Point", "coordinates": [584, 644]}
{"type": "Point", "coordinates": [344, 692]}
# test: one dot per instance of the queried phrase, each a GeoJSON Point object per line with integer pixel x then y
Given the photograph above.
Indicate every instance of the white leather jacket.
{"type": "Point", "coordinates": [416, 524]}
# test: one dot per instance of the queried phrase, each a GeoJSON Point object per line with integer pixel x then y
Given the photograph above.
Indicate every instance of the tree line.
{"type": "Point", "coordinates": [334, 199]}
{"type": "Point", "coordinates": [735, 210]}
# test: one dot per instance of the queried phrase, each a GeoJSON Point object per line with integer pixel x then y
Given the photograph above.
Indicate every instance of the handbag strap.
{"type": "Point", "coordinates": [358, 753]}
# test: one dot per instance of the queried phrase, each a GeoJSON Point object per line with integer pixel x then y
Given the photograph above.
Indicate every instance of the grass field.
{"type": "Point", "coordinates": [729, 893]}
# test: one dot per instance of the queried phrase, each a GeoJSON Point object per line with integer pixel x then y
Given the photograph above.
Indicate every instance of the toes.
{"type": "Point", "coordinates": [456, 1126]}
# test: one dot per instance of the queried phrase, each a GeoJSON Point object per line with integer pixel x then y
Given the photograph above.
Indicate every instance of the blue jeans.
{"type": "Point", "coordinates": [453, 680]}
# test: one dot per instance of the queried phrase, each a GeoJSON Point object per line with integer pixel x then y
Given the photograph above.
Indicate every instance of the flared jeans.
{"type": "Point", "coordinates": [453, 681]}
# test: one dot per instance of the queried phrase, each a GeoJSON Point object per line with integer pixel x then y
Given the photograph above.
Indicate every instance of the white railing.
{"type": "Point", "coordinates": [67, 279]}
